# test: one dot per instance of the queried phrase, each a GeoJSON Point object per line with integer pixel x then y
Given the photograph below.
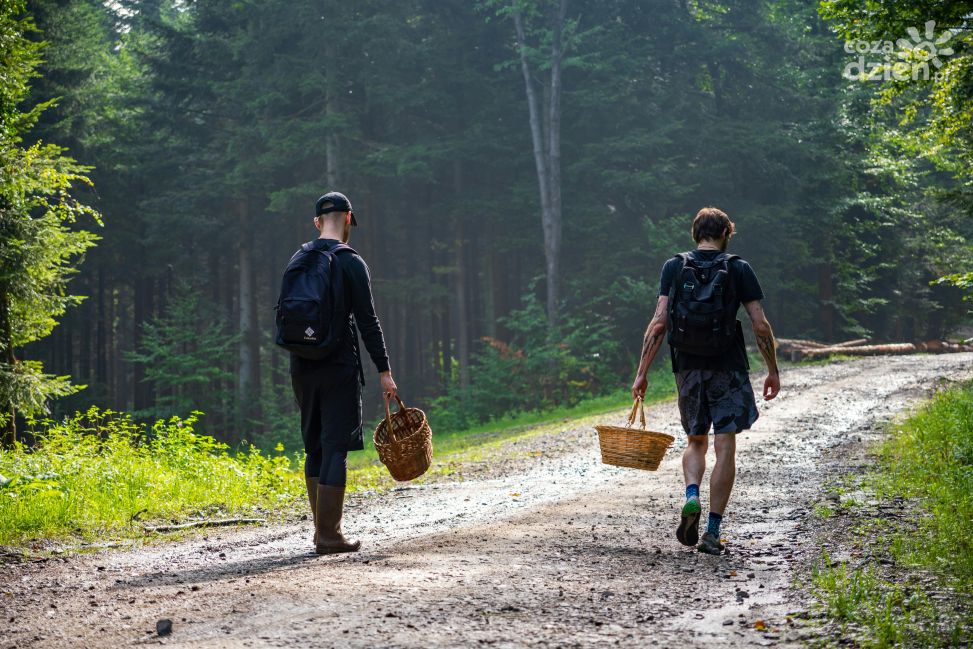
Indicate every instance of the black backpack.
{"type": "Point", "coordinates": [312, 317]}
{"type": "Point", "coordinates": [701, 318]}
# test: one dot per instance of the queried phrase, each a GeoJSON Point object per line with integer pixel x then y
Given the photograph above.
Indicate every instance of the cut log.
{"type": "Point", "coordinates": [787, 345]}
{"type": "Point", "coordinates": [862, 350]}
{"type": "Point", "coordinates": [956, 347]}
{"type": "Point", "coordinates": [798, 350]}
{"type": "Point", "coordinates": [791, 343]}
{"type": "Point", "coordinates": [857, 342]}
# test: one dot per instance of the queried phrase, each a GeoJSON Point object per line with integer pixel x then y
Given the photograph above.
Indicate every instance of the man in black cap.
{"type": "Point", "coordinates": [328, 390]}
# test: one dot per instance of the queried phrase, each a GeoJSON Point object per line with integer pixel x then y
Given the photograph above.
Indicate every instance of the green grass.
{"type": "Point", "coordinates": [929, 457]}
{"type": "Point", "coordinates": [823, 511]}
{"type": "Point", "coordinates": [100, 476]}
{"type": "Point", "coordinates": [883, 614]}
{"type": "Point", "coordinates": [826, 360]}
{"type": "Point", "coordinates": [927, 462]}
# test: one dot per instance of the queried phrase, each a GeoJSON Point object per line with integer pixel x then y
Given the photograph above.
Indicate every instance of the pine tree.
{"type": "Point", "coordinates": [180, 353]}
{"type": "Point", "coordinates": [41, 240]}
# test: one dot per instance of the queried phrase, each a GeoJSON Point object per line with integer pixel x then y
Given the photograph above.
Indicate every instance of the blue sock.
{"type": "Point", "coordinates": [713, 525]}
{"type": "Point", "coordinates": [692, 491]}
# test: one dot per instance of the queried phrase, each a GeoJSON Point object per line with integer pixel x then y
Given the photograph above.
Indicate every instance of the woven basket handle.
{"type": "Point", "coordinates": [388, 416]}
{"type": "Point", "coordinates": [631, 417]}
{"type": "Point", "coordinates": [388, 413]}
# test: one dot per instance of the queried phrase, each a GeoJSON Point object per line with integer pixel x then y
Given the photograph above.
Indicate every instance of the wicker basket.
{"type": "Point", "coordinates": [404, 442]}
{"type": "Point", "coordinates": [632, 447]}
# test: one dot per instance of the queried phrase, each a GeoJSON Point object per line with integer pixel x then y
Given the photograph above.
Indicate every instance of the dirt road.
{"type": "Point", "coordinates": [549, 549]}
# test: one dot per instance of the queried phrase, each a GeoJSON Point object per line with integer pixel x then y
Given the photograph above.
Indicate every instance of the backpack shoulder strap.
{"type": "Point", "coordinates": [685, 259]}
{"type": "Point", "coordinates": [727, 259]}
{"type": "Point", "coordinates": [342, 247]}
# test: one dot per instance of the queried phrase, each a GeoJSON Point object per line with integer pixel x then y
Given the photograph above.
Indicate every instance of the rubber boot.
{"type": "Point", "coordinates": [312, 499]}
{"type": "Point", "coordinates": [331, 504]}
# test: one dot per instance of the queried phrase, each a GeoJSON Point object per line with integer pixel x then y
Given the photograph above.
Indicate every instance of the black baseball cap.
{"type": "Point", "coordinates": [334, 202]}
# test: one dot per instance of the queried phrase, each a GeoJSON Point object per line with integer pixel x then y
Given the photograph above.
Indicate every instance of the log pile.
{"type": "Point", "coordinates": [797, 350]}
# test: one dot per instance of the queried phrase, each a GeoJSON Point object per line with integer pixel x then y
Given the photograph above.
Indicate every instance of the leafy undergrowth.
{"type": "Point", "coordinates": [100, 475]}
{"type": "Point", "coordinates": [913, 577]}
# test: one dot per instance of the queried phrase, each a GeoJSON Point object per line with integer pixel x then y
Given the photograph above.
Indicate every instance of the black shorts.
{"type": "Point", "coordinates": [722, 399]}
{"type": "Point", "coordinates": [331, 413]}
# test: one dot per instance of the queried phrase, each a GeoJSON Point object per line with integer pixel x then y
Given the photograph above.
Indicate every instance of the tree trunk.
{"type": "Point", "coordinates": [85, 311]}
{"type": "Point", "coordinates": [446, 345]}
{"type": "Point", "coordinates": [552, 226]}
{"type": "Point", "coordinates": [101, 338]}
{"type": "Point", "coordinates": [462, 312]}
{"type": "Point", "coordinates": [488, 291]}
{"type": "Point", "coordinates": [111, 342]}
{"type": "Point", "coordinates": [545, 131]}
{"type": "Point", "coordinates": [462, 308]}
{"type": "Point", "coordinates": [245, 357]}
{"type": "Point", "coordinates": [253, 341]}
{"type": "Point", "coordinates": [230, 291]}
{"type": "Point", "coordinates": [825, 298]}
{"type": "Point", "coordinates": [144, 311]}
{"type": "Point", "coordinates": [9, 359]}
{"type": "Point", "coordinates": [331, 139]}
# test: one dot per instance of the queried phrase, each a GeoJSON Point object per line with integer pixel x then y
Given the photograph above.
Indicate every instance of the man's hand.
{"type": "Point", "coordinates": [638, 388]}
{"type": "Point", "coordinates": [771, 386]}
{"type": "Point", "coordinates": [388, 385]}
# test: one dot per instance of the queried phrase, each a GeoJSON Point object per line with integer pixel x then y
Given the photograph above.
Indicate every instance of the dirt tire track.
{"type": "Point", "coordinates": [582, 555]}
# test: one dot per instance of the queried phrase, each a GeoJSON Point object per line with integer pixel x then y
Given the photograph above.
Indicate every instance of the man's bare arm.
{"type": "Point", "coordinates": [651, 342]}
{"type": "Point", "coordinates": [767, 346]}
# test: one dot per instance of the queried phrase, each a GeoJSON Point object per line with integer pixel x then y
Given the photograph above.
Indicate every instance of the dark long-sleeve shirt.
{"type": "Point", "coordinates": [361, 313]}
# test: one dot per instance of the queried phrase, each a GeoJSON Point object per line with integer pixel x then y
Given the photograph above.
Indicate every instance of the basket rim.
{"type": "Point", "coordinates": [639, 431]}
{"type": "Point", "coordinates": [401, 411]}
{"type": "Point", "coordinates": [424, 430]}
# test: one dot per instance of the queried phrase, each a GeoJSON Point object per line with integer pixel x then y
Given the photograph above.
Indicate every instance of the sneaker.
{"type": "Point", "coordinates": [710, 544]}
{"type": "Point", "coordinates": [688, 530]}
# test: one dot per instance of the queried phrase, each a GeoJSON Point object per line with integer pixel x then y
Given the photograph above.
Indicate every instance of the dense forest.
{"type": "Point", "coordinates": [520, 172]}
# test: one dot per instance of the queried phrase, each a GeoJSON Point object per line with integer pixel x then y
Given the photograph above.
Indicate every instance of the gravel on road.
{"type": "Point", "coordinates": [537, 545]}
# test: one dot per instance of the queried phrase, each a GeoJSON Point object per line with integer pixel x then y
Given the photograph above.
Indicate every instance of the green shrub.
{"type": "Point", "coordinates": [98, 473]}
{"type": "Point", "coordinates": [538, 369]}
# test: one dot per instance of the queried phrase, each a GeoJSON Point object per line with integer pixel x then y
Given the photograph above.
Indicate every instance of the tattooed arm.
{"type": "Point", "coordinates": [651, 342]}
{"type": "Point", "coordinates": [767, 346]}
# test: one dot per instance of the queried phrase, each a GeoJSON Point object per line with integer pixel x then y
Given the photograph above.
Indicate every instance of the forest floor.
{"type": "Point", "coordinates": [537, 545]}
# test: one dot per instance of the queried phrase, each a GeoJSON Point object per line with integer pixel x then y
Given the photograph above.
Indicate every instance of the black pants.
{"type": "Point", "coordinates": [331, 420]}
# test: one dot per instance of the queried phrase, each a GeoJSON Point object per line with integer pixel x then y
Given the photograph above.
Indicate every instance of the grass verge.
{"type": "Point", "coordinates": [912, 583]}
{"type": "Point", "coordinates": [99, 475]}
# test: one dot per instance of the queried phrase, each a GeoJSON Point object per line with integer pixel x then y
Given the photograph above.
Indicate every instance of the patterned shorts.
{"type": "Point", "coordinates": [719, 398]}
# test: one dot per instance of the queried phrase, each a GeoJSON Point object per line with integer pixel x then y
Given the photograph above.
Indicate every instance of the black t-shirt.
{"type": "Point", "coordinates": [746, 289]}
